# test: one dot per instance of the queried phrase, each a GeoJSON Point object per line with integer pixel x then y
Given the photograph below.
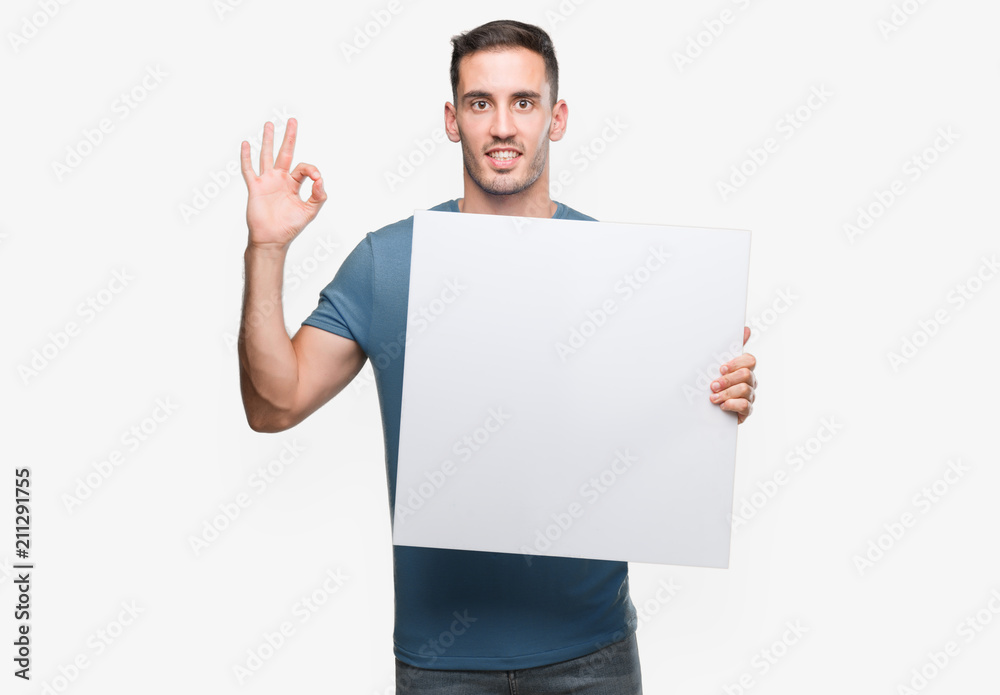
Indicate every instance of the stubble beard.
{"type": "Point", "coordinates": [502, 183]}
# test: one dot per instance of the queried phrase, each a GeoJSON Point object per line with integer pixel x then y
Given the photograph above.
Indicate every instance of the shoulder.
{"type": "Point", "coordinates": [571, 214]}
{"type": "Point", "coordinates": [404, 226]}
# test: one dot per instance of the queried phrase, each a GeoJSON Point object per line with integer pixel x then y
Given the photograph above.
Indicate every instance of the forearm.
{"type": "Point", "coordinates": [268, 363]}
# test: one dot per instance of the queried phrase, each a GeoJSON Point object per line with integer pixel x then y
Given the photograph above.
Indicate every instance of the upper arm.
{"type": "Point", "coordinates": [327, 363]}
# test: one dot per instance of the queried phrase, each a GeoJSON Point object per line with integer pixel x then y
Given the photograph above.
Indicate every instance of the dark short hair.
{"type": "Point", "coordinates": [500, 34]}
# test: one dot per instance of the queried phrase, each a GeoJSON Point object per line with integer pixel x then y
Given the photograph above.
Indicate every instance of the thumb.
{"type": "Point", "coordinates": [746, 334]}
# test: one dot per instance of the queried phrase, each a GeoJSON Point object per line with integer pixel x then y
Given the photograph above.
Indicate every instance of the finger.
{"type": "Point", "coordinates": [744, 391]}
{"type": "Point", "coordinates": [302, 170]}
{"type": "Point", "coordinates": [284, 160]}
{"type": "Point", "coordinates": [245, 166]}
{"type": "Point", "coordinates": [745, 360]}
{"type": "Point", "coordinates": [318, 195]}
{"type": "Point", "coordinates": [267, 148]}
{"type": "Point", "coordinates": [746, 334]}
{"type": "Point", "coordinates": [741, 417]}
{"type": "Point", "coordinates": [740, 406]}
{"type": "Point", "coordinates": [723, 384]}
{"type": "Point", "coordinates": [742, 375]}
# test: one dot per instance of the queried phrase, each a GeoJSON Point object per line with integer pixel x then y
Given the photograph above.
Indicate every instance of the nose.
{"type": "Point", "coordinates": [503, 125]}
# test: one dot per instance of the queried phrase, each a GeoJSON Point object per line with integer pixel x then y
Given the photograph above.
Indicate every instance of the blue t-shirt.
{"type": "Point", "coordinates": [462, 609]}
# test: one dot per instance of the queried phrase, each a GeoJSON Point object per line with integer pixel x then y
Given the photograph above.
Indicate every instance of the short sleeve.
{"type": "Point", "coordinates": [345, 305]}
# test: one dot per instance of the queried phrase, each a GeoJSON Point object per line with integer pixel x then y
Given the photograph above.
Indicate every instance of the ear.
{"type": "Point", "coordinates": [451, 122]}
{"type": "Point", "coordinates": [560, 115]}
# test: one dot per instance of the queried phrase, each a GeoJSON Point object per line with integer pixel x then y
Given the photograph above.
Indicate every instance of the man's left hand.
{"type": "Point", "coordinates": [734, 390]}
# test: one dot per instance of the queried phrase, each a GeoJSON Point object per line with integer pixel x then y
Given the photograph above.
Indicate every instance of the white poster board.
{"type": "Point", "coordinates": [555, 388]}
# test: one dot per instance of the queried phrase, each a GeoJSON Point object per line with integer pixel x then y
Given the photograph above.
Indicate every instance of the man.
{"type": "Point", "coordinates": [468, 622]}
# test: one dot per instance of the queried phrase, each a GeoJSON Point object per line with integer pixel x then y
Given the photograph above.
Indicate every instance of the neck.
{"type": "Point", "coordinates": [533, 201]}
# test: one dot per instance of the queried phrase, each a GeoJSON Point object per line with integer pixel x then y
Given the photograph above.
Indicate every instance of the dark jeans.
{"type": "Point", "coordinates": [613, 670]}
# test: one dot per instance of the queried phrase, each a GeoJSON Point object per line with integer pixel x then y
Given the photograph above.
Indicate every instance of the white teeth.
{"type": "Point", "coordinates": [506, 154]}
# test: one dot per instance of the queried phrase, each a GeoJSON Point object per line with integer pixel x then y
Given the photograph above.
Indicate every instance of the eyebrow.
{"type": "Point", "coordinates": [478, 94]}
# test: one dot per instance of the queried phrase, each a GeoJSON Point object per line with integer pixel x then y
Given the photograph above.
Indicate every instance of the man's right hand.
{"type": "Point", "coordinates": [275, 212]}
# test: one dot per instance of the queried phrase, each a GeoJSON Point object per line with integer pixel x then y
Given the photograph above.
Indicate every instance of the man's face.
{"type": "Point", "coordinates": [503, 119]}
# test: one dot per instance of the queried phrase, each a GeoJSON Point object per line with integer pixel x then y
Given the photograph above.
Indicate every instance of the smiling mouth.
{"type": "Point", "coordinates": [503, 157]}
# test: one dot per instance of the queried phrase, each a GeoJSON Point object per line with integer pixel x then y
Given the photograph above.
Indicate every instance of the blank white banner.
{"type": "Point", "coordinates": [556, 388]}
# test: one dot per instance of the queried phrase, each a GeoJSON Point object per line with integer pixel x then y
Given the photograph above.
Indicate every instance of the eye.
{"type": "Point", "coordinates": [524, 101]}
{"type": "Point", "coordinates": [480, 101]}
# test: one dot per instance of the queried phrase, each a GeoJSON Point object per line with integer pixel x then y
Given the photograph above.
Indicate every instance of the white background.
{"type": "Point", "coordinates": [829, 309]}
